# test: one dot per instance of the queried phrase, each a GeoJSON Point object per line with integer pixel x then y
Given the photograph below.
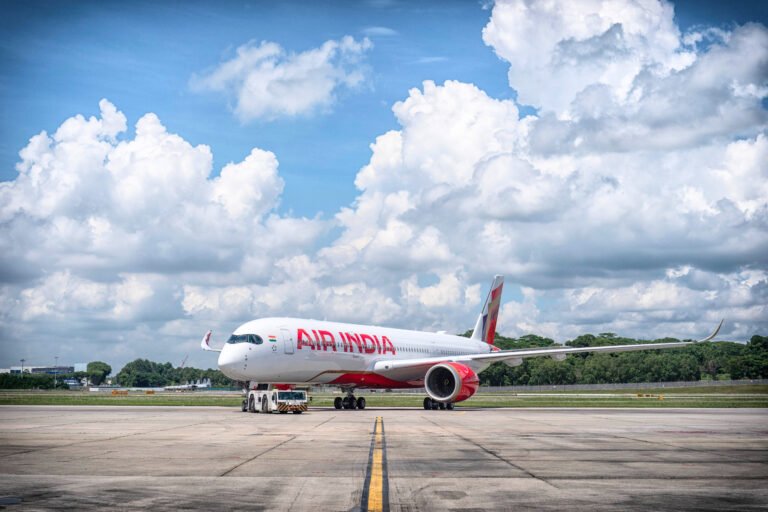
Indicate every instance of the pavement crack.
{"type": "Point", "coordinates": [109, 438]}
{"type": "Point", "coordinates": [683, 448]}
{"type": "Point", "coordinates": [298, 493]}
{"type": "Point", "coordinates": [323, 423]}
{"type": "Point", "coordinates": [278, 445]}
{"type": "Point", "coordinates": [493, 454]}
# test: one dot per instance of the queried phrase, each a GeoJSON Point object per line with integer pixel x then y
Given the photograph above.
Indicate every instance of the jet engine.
{"type": "Point", "coordinates": [451, 382]}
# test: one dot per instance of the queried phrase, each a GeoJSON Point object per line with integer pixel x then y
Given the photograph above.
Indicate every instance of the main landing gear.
{"type": "Point", "coordinates": [349, 402]}
{"type": "Point", "coordinates": [430, 404]}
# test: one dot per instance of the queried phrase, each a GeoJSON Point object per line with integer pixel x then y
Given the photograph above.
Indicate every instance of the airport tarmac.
{"type": "Point", "coordinates": [209, 458]}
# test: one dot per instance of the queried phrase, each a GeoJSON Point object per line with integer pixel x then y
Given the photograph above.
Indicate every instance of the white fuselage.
{"type": "Point", "coordinates": [299, 351]}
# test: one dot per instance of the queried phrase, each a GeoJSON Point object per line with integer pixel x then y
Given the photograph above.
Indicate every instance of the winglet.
{"type": "Point", "coordinates": [714, 333]}
{"type": "Point", "coordinates": [485, 327]}
{"type": "Point", "coordinates": [204, 344]}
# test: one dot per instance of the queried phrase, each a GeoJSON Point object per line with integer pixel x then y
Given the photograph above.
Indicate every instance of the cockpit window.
{"type": "Point", "coordinates": [245, 338]}
{"type": "Point", "coordinates": [291, 395]}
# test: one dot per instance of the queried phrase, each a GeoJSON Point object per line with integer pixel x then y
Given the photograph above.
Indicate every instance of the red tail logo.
{"type": "Point", "coordinates": [490, 312]}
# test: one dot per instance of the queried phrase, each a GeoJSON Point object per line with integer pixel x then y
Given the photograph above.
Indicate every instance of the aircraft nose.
{"type": "Point", "coordinates": [228, 362]}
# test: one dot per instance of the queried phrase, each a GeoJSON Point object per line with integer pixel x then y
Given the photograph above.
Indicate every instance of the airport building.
{"type": "Point", "coordinates": [48, 370]}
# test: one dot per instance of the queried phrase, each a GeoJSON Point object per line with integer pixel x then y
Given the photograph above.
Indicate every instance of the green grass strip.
{"type": "Point", "coordinates": [684, 397]}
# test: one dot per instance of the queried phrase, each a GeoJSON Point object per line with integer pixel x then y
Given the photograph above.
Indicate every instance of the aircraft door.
{"type": "Point", "coordinates": [287, 340]}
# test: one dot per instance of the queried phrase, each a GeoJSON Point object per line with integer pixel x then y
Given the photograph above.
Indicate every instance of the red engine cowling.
{"type": "Point", "coordinates": [451, 382]}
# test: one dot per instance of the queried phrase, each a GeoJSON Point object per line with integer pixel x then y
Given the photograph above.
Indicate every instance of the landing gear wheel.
{"type": "Point", "coordinates": [435, 405]}
{"type": "Point", "coordinates": [244, 406]}
{"type": "Point", "coordinates": [442, 406]}
{"type": "Point", "coordinates": [361, 403]}
{"type": "Point", "coordinates": [264, 405]}
{"type": "Point", "coordinates": [427, 403]}
{"type": "Point", "coordinates": [337, 402]}
{"type": "Point", "coordinates": [251, 405]}
{"type": "Point", "coordinates": [449, 406]}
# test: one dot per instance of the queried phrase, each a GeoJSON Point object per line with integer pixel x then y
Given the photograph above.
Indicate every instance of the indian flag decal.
{"type": "Point", "coordinates": [272, 338]}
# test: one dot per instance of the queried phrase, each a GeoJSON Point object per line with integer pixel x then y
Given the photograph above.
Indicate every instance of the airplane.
{"type": "Point", "coordinates": [295, 351]}
{"type": "Point", "coordinates": [190, 386]}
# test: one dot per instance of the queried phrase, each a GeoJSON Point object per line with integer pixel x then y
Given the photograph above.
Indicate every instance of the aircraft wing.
{"type": "Point", "coordinates": [414, 369]}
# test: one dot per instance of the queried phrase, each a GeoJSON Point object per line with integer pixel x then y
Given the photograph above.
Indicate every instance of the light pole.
{"type": "Point", "coordinates": [55, 371]}
{"type": "Point", "coordinates": [22, 368]}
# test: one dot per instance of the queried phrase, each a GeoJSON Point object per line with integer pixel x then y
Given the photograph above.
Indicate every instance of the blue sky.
{"type": "Point", "coordinates": [61, 59]}
{"type": "Point", "coordinates": [609, 159]}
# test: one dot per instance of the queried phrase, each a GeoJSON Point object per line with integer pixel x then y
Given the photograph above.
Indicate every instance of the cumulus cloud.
{"type": "Point", "coordinates": [618, 76]}
{"type": "Point", "coordinates": [102, 230]}
{"type": "Point", "coordinates": [558, 49]}
{"type": "Point", "coordinates": [374, 31]}
{"type": "Point", "coordinates": [84, 200]}
{"type": "Point", "coordinates": [264, 81]}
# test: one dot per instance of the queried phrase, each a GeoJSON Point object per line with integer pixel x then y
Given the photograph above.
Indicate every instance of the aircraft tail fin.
{"type": "Point", "coordinates": [485, 327]}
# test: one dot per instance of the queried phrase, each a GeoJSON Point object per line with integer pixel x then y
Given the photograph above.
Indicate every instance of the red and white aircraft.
{"type": "Point", "coordinates": [302, 352]}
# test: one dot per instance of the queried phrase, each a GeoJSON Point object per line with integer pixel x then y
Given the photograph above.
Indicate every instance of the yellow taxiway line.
{"type": "Point", "coordinates": [377, 501]}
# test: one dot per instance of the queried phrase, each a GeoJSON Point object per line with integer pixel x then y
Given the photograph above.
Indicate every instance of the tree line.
{"type": "Point", "coordinates": [146, 373]}
{"type": "Point", "coordinates": [137, 373]}
{"type": "Point", "coordinates": [713, 360]}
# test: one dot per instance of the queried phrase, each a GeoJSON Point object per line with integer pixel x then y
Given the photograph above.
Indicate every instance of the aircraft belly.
{"type": "Point", "coordinates": [312, 367]}
{"type": "Point", "coordinates": [327, 369]}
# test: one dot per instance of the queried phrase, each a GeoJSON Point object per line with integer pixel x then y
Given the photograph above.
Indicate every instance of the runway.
{"type": "Point", "coordinates": [208, 458]}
